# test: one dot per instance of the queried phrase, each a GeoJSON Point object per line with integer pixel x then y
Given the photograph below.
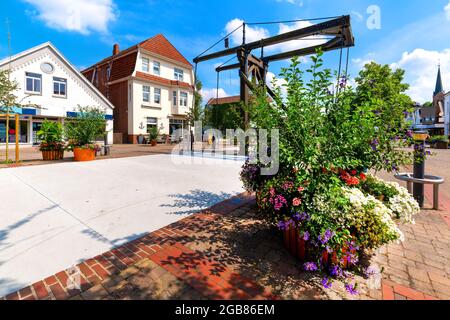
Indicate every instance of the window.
{"type": "Point", "coordinates": [156, 68]}
{"type": "Point", "coordinates": [151, 122]}
{"type": "Point", "coordinates": [108, 72]}
{"type": "Point", "coordinates": [33, 82]}
{"type": "Point", "coordinates": [59, 87]}
{"type": "Point", "coordinates": [146, 93]}
{"type": "Point", "coordinates": [178, 74]}
{"type": "Point", "coordinates": [183, 99]}
{"type": "Point", "coordinates": [145, 65]}
{"type": "Point", "coordinates": [157, 95]}
{"type": "Point", "coordinates": [174, 99]}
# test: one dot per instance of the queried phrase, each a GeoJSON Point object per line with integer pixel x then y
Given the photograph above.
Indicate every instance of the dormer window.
{"type": "Point", "coordinates": [178, 74]}
{"type": "Point", "coordinates": [156, 68]}
{"type": "Point", "coordinates": [145, 65]}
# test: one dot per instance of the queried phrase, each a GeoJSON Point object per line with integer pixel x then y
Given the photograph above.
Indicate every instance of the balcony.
{"type": "Point", "coordinates": [179, 110]}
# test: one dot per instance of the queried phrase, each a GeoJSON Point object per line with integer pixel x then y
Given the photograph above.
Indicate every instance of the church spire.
{"type": "Point", "coordinates": [439, 88]}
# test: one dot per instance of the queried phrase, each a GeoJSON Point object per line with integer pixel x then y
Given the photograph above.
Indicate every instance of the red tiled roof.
{"type": "Point", "coordinates": [161, 46]}
{"type": "Point", "coordinates": [167, 82]}
{"type": "Point", "coordinates": [224, 100]}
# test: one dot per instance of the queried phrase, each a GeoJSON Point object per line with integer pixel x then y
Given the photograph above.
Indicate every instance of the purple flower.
{"type": "Point", "coordinates": [282, 225]}
{"type": "Point", "coordinates": [409, 133]}
{"type": "Point", "coordinates": [326, 283]}
{"type": "Point", "coordinates": [336, 271]}
{"type": "Point", "coordinates": [306, 236]}
{"type": "Point", "coordinates": [301, 216]}
{"type": "Point", "coordinates": [351, 289]}
{"type": "Point", "coordinates": [310, 266]}
{"type": "Point", "coordinates": [326, 236]}
{"type": "Point", "coordinates": [329, 250]}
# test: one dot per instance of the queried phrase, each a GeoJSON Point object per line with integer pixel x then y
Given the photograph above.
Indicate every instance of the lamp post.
{"type": "Point", "coordinates": [419, 164]}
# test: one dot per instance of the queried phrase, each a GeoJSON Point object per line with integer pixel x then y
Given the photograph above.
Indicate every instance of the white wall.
{"type": "Point", "coordinates": [78, 92]}
{"type": "Point", "coordinates": [137, 121]}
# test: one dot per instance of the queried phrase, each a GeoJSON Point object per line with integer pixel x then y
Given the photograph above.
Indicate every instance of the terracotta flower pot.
{"type": "Point", "coordinates": [49, 155]}
{"type": "Point", "coordinates": [83, 154]}
{"type": "Point", "coordinates": [441, 145]}
{"type": "Point", "coordinates": [299, 249]}
{"type": "Point", "coordinates": [154, 143]}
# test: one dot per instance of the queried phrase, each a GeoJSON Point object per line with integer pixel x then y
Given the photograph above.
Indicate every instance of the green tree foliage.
{"type": "Point", "coordinates": [7, 88]}
{"type": "Point", "coordinates": [224, 116]}
{"type": "Point", "coordinates": [195, 113]}
{"type": "Point", "coordinates": [83, 130]}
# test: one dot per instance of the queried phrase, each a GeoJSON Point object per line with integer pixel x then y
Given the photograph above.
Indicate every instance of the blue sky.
{"type": "Point", "coordinates": [413, 34]}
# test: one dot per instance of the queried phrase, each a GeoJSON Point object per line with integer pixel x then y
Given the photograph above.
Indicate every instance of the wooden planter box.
{"type": "Point", "coordinates": [299, 248]}
{"type": "Point", "coordinates": [441, 145]}
{"type": "Point", "coordinates": [52, 155]}
{"type": "Point", "coordinates": [83, 154]}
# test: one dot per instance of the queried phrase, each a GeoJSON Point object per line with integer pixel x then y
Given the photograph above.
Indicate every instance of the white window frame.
{"type": "Point", "coordinates": [183, 99]}
{"type": "Point", "coordinates": [175, 98]}
{"type": "Point", "coordinates": [157, 95]}
{"type": "Point", "coordinates": [178, 74]}
{"type": "Point", "coordinates": [146, 92]}
{"type": "Point", "coordinates": [145, 64]}
{"type": "Point", "coordinates": [34, 78]}
{"type": "Point", "coordinates": [156, 68]}
{"type": "Point", "coordinates": [60, 82]}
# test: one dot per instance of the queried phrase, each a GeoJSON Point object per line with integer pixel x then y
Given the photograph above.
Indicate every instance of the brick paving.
{"type": "Point", "coordinates": [229, 252]}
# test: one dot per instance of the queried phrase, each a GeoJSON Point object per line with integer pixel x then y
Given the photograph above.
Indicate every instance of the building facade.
{"type": "Point", "coordinates": [150, 84]}
{"type": "Point", "coordinates": [53, 88]}
{"type": "Point", "coordinates": [435, 117]}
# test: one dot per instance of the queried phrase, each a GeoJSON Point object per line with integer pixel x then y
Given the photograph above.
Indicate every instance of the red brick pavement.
{"type": "Point", "coordinates": [168, 256]}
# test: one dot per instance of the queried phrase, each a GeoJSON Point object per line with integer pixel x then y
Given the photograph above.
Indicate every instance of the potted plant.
{"type": "Point", "coordinates": [153, 136]}
{"type": "Point", "coordinates": [83, 130]}
{"type": "Point", "coordinates": [440, 142]}
{"type": "Point", "coordinates": [51, 137]}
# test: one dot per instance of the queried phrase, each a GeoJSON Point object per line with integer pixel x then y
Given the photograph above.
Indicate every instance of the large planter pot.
{"type": "Point", "coordinates": [52, 155]}
{"type": "Point", "coordinates": [153, 143]}
{"type": "Point", "coordinates": [441, 145]}
{"type": "Point", "coordinates": [300, 248]}
{"type": "Point", "coordinates": [81, 154]}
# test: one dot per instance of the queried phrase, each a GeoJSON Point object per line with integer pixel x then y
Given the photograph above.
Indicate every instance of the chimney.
{"type": "Point", "coordinates": [116, 49]}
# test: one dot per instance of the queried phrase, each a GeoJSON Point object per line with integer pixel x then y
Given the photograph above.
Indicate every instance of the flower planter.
{"type": "Point", "coordinates": [441, 145]}
{"type": "Point", "coordinates": [154, 143]}
{"type": "Point", "coordinates": [299, 248]}
{"type": "Point", "coordinates": [84, 154]}
{"type": "Point", "coordinates": [49, 155]}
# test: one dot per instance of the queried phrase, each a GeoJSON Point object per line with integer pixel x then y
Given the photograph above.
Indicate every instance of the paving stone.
{"type": "Point", "coordinates": [97, 292]}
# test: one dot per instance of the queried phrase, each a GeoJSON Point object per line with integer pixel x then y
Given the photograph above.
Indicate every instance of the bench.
{"type": "Point", "coordinates": [428, 179]}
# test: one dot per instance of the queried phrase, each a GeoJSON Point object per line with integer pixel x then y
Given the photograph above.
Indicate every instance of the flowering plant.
{"type": "Point", "coordinates": [327, 143]}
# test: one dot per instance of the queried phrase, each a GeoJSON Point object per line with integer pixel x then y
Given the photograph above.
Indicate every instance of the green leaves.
{"type": "Point", "coordinates": [86, 127]}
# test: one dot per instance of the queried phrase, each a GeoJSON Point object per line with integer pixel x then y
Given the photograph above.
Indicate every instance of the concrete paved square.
{"type": "Point", "coordinates": [54, 216]}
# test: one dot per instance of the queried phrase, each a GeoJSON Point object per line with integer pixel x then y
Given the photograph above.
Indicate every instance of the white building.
{"type": "Point", "coordinates": [48, 80]}
{"type": "Point", "coordinates": [447, 114]}
{"type": "Point", "coordinates": [150, 85]}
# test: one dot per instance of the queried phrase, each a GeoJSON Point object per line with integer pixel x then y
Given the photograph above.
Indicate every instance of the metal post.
{"type": "Point", "coordinates": [419, 170]}
{"type": "Point", "coordinates": [17, 138]}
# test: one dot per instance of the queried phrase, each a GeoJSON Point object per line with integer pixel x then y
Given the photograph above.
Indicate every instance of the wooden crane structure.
{"type": "Point", "coordinates": [337, 30]}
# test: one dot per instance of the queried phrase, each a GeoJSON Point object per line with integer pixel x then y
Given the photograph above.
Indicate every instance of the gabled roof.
{"type": "Point", "coordinates": [161, 46]}
{"type": "Point", "coordinates": [223, 100]}
{"type": "Point", "coordinates": [158, 45]}
{"type": "Point", "coordinates": [71, 67]}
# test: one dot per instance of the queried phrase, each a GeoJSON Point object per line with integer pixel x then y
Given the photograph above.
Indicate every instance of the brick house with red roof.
{"type": "Point", "coordinates": [150, 84]}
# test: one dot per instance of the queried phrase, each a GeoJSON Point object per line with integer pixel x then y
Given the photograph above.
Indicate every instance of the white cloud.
{"type": "Point", "coordinates": [83, 16]}
{"type": "Point", "coordinates": [447, 10]}
{"type": "Point", "coordinates": [251, 33]}
{"type": "Point", "coordinates": [294, 2]}
{"type": "Point", "coordinates": [421, 70]}
{"type": "Point", "coordinates": [208, 93]}
{"type": "Point", "coordinates": [271, 78]}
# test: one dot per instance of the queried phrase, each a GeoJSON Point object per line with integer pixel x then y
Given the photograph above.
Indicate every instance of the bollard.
{"type": "Point", "coordinates": [419, 165]}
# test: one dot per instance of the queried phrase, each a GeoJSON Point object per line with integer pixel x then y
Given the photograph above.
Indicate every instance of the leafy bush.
{"type": "Point", "coordinates": [83, 129]}
{"type": "Point", "coordinates": [51, 136]}
{"type": "Point", "coordinates": [327, 142]}
{"type": "Point", "coordinates": [153, 133]}
{"type": "Point", "coordinates": [438, 138]}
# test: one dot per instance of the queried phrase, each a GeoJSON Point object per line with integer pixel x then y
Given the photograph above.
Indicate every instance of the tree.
{"type": "Point", "coordinates": [7, 88]}
{"type": "Point", "coordinates": [195, 113]}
